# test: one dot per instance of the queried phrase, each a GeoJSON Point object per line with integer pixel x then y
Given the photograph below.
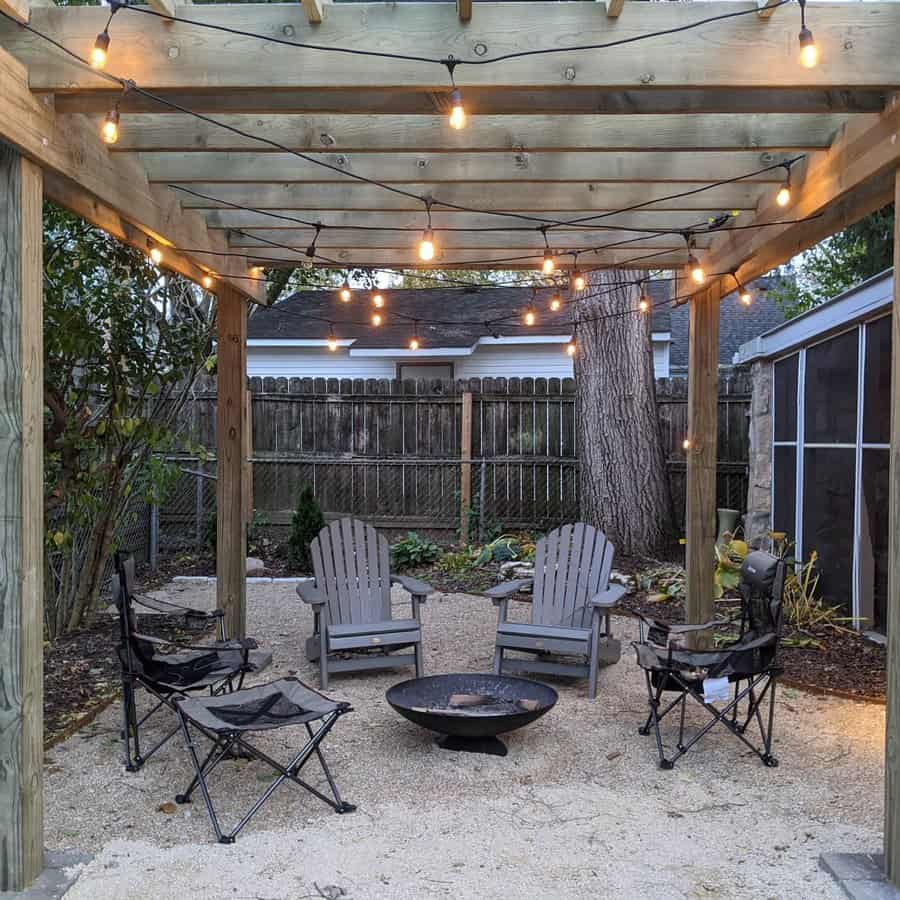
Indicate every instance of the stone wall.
{"type": "Point", "coordinates": [759, 493]}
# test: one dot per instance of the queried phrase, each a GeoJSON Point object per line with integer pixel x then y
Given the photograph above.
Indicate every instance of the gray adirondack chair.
{"type": "Point", "coordinates": [570, 610]}
{"type": "Point", "coordinates": [351, 600]}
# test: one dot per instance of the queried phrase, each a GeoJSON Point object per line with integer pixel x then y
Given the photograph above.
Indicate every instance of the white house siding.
{"type": "Point", "coordinates": [510, 361]}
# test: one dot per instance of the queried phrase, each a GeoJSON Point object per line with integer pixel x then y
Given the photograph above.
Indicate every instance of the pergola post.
{"type": "Point", "coordinates": [22, 521]}
{"type": "Point", "coordinates": [231, 424]}
{"type": "Point", "coordinates": [892, 742]}
{"type": "Point", "coordinates": [700, 514]}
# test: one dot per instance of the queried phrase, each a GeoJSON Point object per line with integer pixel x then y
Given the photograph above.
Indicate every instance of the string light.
{"type": "Point", "coordinates": [256, 271]}
{"type": "Point", "coordinates": [426, 246]}
{"type": "Point", "coordinates": [530, 316]}
{"type": "Point", "coordinates": [332, 338]}
{"type": "Point", "coordinates": [686, 444]}
{"type": "Point", "coordinates": [207, 281]}
{"type": "Point", "coordinates": [377, 319]}
{"type": "Point", "coordinates": [549, 263]}
{"type": "Point", "coordinates": [743, 292]}
{"type": "Point", "coordinates": [809, 52]}
{"type": "Point", "coordinates": [783, 197]}
{"type": "Point", "coordinates": [311, 249]}
{"type": "Point", "coordinates": [100, 50]}
{"type": "Point", "coordinates": [697, 272]}
{"type": "Point", "coordinates": [346, 294]}
{"type": "Point", "coordinates": [644, 300]}
{"type": "Point", "coordinates": [414, 340]}
{"type": "Point", "coordinates": [110, 130]}
{"type": "Point", "coordinates": [457, 110]}
{"type": "Point", "coordinates": [377, 301]}
{"type": "Point", "coordinates": [155, 252]}
{"type": "Point", "coordinates": [577, 281]}
{"type": "Point", "coordinates": [572, 347]}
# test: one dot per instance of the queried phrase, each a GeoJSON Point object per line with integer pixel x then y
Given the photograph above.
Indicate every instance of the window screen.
{"type": "Point", "coordinates": [784, 491]}
{"type": "Point", "coordinates": [785, 407]}
{"type": "Point", "coordinates": [831, 390]}
{"type": "Point", "coordinates": [877, 408]}
{"type": "Point", "coordinates": [873, 549]}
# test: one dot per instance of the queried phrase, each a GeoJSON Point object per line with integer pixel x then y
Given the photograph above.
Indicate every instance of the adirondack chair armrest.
{"type": "Point", "coordinates": [610, 597]}
{"type": "Point", "coordinates": [506, 589]}
{"type": "Point", "coordinates": [309, 593]}
{"type": "Point", "coordinates": [419, 589]}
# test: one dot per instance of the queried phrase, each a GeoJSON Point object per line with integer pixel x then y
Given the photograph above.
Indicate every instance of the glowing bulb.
{"type": "Point", "coordinates": [549, 264]}
{"type": "Point", "coordinates": [686, 444]}
{"type": "Point", "coordinates": [746, 297]}
{"type": "Point", "coordinates": [457, 113]}
{"type": "Point", "coordinates": [783, 197]}
{"type": "Point", "coordinates": [697, 272]}
{"type": "Point", "coordinates": [555, 302]}
{"type": "Point", "coordinates": [332, 342]}
{"type": "Point", "coordinates": [414, 343]}
{"type": "Point", "coordinates": [578, 281]}
{"type": "Point", "coordinates": [571, 347]}
{"type": "Point", "coordinates": [156, 254]}
{"type": "Point", "coordinates": [346, 294]}
{"type": "Point", "coordinates": [530, 317]}
{"type": "Point", "coordinates": [100, 50]}
{"type": "Point", "coordinates": [207, 281]}
{"type": "Point", "coordinates": [377, 319]}
{"type": "Point", "coordinates": [377, 301]}
{"type": "Point", "coordinates": [426, 247]}
{"type": "Point", "coordinates": [809, 52]}
{"type": "Point", "coordinates": [110, 130]}
{"type": "Point", "coordinates": [256, 271]}
{"type": "Point", "coordinates": [643, 303]}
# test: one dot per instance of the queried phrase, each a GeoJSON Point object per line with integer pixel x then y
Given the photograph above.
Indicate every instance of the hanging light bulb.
{"type": "Point", "coordinates": [686, 444]}
{"type": "Point", "coordinates": [783, 197]}
{"type": "Point", "coordinates": [644, 303]}
{"type": "Point", "coordinates": [377, 319]}
{"type": "Point", "coordinates": [110, 130]}
{"type": "Point", "coordinates": [697, 272]}
{"type": "Point", "coordinates": [457, 112]}
{"type": "Point", "coordinates": [346, 294]}
{"type": "Point", "coordinates": [556, 302]}
{"type": "Point", "coordinates": [578, 281]}
{"type": "Point", "coordinates": [155, 253]}
{"type": "Point", "coordinates": [426, 246]}
{"type": "Point", "coordinates": [207, 281]}
{"type": "Point", "coordinates": [311, 249]}
{"type": "Point", "coordinates": [572, 347]}
{"type": "Point", "coordinates": [332, 339]}
{"type": "Point", "coordinates": [377, 301]}
{"type": "Point", "coordinates": [746, 297]}
{"type": "Point", "coordinates": [256, 271]}
{"type": "Point", "coordinates": [100, 50]}
{"type": "Point", "coordinates": [809, 52]}
{"type": "Point", "coordinates": [530, 317]}
{"type": "Point", "coordinates": [549, 263]}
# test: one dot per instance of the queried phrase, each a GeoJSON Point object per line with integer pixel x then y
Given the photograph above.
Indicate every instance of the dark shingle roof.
{"type": "Point", "coordinates": [457, 309]}
{"type": "Point", "coordinates": [737, 324]}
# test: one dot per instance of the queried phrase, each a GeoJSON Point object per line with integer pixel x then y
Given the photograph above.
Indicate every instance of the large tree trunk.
{"type": "Point", "coordinates": [624, 481]}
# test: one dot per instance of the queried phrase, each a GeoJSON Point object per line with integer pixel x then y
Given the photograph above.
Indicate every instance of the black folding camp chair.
{"type": "Point", "coordinates": [226, 720]}
{"type": "Point", "coordinates": [168, 670]}
{"type": "Point", "coordinates": [724, 679]}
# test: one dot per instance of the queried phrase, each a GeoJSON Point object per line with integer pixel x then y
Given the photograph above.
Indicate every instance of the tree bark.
{"type": "Point", "coordinates": [624, 481]}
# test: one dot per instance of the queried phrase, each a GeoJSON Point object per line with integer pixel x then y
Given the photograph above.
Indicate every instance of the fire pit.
{"type": "Point", "coordinates": [471, 710]}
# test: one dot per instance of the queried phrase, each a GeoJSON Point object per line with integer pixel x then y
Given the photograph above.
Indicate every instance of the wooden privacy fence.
{"type": "Point", "coordinates": [404, 455]}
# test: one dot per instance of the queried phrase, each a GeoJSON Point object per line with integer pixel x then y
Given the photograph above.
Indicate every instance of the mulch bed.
{"type": "Point", "coordinates": [82, 675]}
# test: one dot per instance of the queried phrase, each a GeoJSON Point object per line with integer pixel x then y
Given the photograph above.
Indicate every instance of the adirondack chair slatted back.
{"type": "Point", "coordinates": [352, 568]}
{"type": "Point", "coordinates": [571, 565]}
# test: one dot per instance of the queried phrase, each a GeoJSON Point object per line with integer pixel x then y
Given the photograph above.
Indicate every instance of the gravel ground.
{"type": "Point", "coordinates": [577, 808]}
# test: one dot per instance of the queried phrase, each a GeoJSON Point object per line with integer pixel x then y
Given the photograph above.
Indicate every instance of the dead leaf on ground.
{"type": "Point", "coordinates": [168, 808]}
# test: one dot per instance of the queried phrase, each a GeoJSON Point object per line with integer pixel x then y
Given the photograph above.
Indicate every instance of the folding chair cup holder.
{"type": "Point", "coordinates": [748, 667]}
{"type": "Point", "coordinates": [226, 720]}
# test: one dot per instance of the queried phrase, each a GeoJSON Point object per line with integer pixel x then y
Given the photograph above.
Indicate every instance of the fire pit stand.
{"type": "Point", "coordinates": [470, 710]}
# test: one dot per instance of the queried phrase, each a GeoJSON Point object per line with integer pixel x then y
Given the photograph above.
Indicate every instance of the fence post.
{"type": "Point", "coordinates": [153, 549]}
{"type": "Point", "coordinates": [465, 482]}
{"type": "Point", "coordinates": [199, 529]}
{"type": "Point", "coordinates": [482, 490]}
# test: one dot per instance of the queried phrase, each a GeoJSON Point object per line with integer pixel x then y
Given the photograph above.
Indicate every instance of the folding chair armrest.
{"type": "Point", "coordinates": [244, 644]}
{"type": "Point", "coordinates": [610, 597]}
{"type": "Point", "coordinates": [690, 629]}
{"type": "Point", "coordinates": [419, 589]}
{"type": "Point", "coordinates": [506, 589]}
{"type": "Point", "coordinates": [309, 593]}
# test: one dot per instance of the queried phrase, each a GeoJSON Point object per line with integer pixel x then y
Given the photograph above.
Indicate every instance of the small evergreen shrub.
{"type": "Point", "coordinates": [413, 551]}
{"type": "Point", "coordinates": [306, 523]}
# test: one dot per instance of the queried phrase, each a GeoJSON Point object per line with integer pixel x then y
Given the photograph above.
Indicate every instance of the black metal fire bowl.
{"type": "Point", "coordinates": [471, 709]}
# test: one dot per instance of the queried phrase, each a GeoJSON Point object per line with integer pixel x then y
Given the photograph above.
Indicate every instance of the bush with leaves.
{"type": "Point", "coordinates": [413, 551]}
{"type": "Point", "coordinates": [306, 523]}
{"type": "Point", "coordinates": [123, 343]}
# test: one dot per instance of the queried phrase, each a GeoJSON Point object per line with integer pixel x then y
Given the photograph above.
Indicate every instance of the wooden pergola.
{"type": "Point", "coordinates": [631, 136]}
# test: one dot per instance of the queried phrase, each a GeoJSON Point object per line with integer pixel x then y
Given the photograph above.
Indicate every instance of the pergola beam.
{"type": "Point", "coordinates": [857, 41]}
{"type": "Point", "coordinates": [765, 8]}
{"type": "Point", "coordinates": [85, 177]}
{"type": "Point", "coordinates": [20, 10]}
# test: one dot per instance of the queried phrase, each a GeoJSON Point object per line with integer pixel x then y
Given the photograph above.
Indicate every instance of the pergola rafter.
{"type": "Point", "coordinates": [634, 136]}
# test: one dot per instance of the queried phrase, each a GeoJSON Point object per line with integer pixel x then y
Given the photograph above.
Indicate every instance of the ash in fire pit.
{"type": "Point", "coordinates": [470, 710]}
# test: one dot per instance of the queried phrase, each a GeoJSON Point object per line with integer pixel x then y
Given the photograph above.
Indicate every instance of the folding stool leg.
{"type": "Point", "coordinates": [342, 807]}
{"type": "Point", "coordinates": [128, 722]}
{"type": "Point", "coordinates": [202, 780]}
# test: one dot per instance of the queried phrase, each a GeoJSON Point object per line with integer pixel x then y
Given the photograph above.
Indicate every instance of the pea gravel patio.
{"type": "Point", "coordinates": [578, 807]}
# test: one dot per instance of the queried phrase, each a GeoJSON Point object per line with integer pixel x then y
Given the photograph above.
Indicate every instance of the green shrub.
{"type": "Point", "coordinates": [306, 523]}
{"type": "Point", "coordinates": [413, 551]}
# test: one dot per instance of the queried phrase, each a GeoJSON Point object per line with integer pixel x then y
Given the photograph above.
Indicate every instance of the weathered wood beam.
{"type": "Point", "coordinates": [892, 743]}
{"type": "Point", "coordinates": [486, 100]}
{"type": "Point", "coordinates": [464, 10]}
{"type": "Point", "coordinates": [540, 198]}
{"type": "Point", "coordinates": [857, 44]}
{"type": "Point", "coordinates": [231, 497]}
{"type": "Point", "coordinates": [85, 177]}
{"type": "Point", "coordinates": [22, 522]}
{"type": "Point", "coordinates": [315, 10]}
{"type": "Point", "coordinates": [20, 10]}
{"type": "Point", "coordinates": [700, 514]}
{"type": "Point", "coordinates": [765, 8]}
{"type": "Point", "coordinates": [164, 7]}
{"type": "Point", "coordinates": [614, 8]}
{"type": "Point", "coordinates": [512, 134]}
{"type": "Point", "coordinates": [838, 186]}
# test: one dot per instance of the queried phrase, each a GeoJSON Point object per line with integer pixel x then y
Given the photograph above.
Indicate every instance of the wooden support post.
{"type": "Point", "coordinates": [231, 519]}
{"type": "Point", "coordinates": [22, 522]}
{"type": "Point", "coordinates": [700, 515]}
{"type": "Point", "coordinates": [892, 743]}
{"type": "Point", "coordinates": [465, 472]}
